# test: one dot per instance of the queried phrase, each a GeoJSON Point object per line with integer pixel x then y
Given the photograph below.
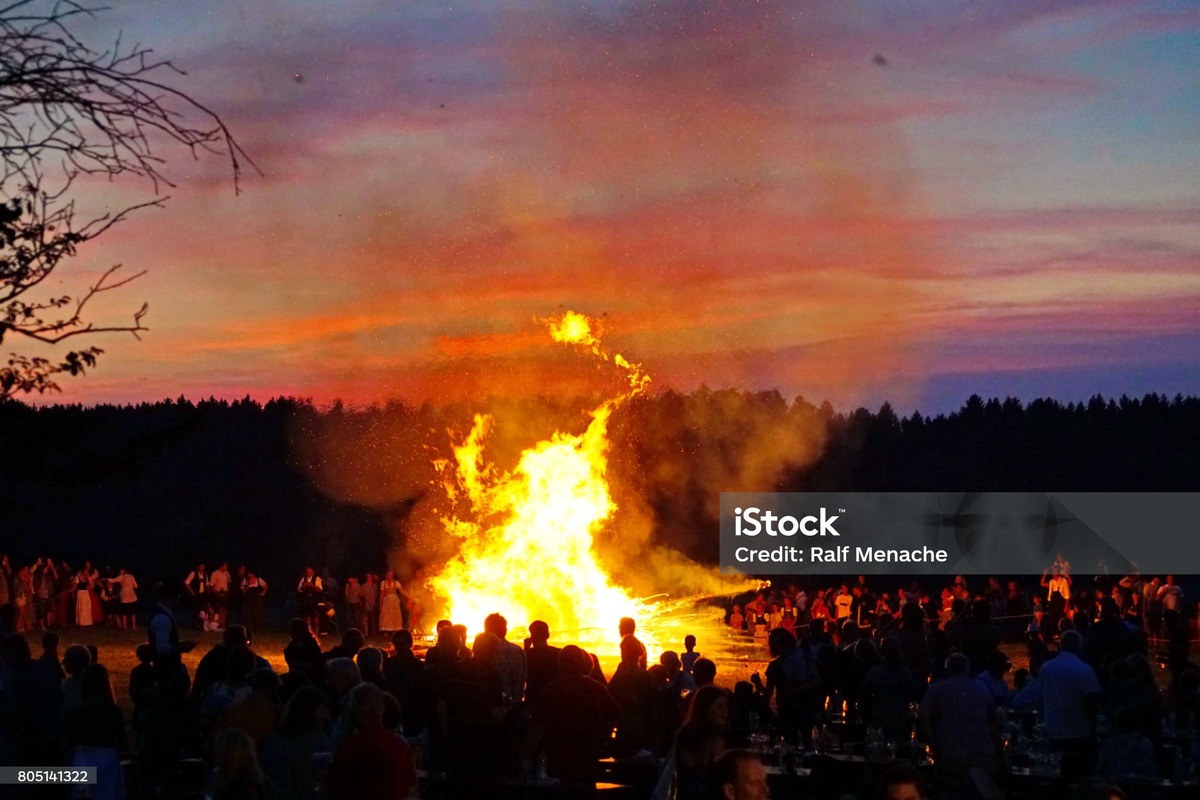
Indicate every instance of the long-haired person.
{"type": "Point", "coordinates": [236, 774]}
{"type": "Point", "coordinates": [701, 739]}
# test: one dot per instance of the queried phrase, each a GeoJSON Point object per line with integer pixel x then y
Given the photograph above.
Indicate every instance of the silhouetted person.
{"type": "Point", "coordinates": [689, 655]}
{"type": "Point", "coordinates": [163, 634]}
{"type": "Point", "coordinates": [303, 653]}
{"type": "Point", "coordinates": [704, 671]}
{"type": "Point", "coordinates": [309, 592]}
{"type": "Point", "coordinates": [352, 642]}
{"type": "Point", "coordinates": [510, 659]}
{"type": "Point", "coordinates": [575, 717]}
{"type": "Point", "coordinates": [739, 775]}
{"type": "Point", "coordinates": [49, 655]}
{"type": "Point", "coordinates": [211, 669]}
{"type": "Point", "coordinates": [627, 628]}
{"type": "Point", "coordinates": [372, 762]}
{"type": "Point", "coordinates": [403, 677]}
{"type": "Point", "coordinates": [31, 705]}
{"type": "Point", "coordinates": [631, 687]}
{"type": "Point", "coordinates": [141, 677]}
{"type": "Point", "coordinates": [542, 659]}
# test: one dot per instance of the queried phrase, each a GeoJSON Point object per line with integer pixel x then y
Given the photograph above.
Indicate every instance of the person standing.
{"type": "Point", "coordinates": [843, 605]}
{"type": "Point", "coordinates": [196, 586]}
{"type": "Point", "coordinates": [1071, 693]}
{"type": "Point", "coordinates": [331, 599]}
{"type": "Point", "coordinates": [308, 597]}
{"type": "Point", "coordinates": [167, 649]}
{"type": "Point", "coordinates": [958, 716]}
{"type": "Point", "coordinates": [64, 601]}
{"type": "Point", "coordinates": [219, 584]}
{"type": "Point", "coordinates": [253, 590]}
{"type": "Point", "coordinates": [391, 618]}
{"type": "Point", "coordinates": [127, 598]}
{"type": "Point", "coordinates": [354, 602]}
{"type": "Point", "coordinates": [23, 597]}
{"type": "Point", "coordinates": [235, 596]}
{"type": "Point", "coordinates": [1170, 595]}
{"type": "Point", "coordinates": [45, 579]}
{"type": "Point", "coordinates": [370, 592]}
{"type": "Point", "coordinates": [83, 597]}
{"type": "Point", "coordinates": [1058, 593]}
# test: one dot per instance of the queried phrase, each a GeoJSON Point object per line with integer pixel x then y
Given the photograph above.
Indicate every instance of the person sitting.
{"type": "Point", "coordinates": [236, 774]}
{"type": "Point", "coordinates": [373, 762]}
{"type": "Point", "coordinates": [352, 642]}
{"type": "Point", "coordinates": [210, 619]}
{"type": "Point", "coordinates": [704, 671]}
{"type": "Point", "coordinates": [679, 682]}
{"type": "Point", "coordinates": [75, 661]}
{"type": "Point", "coordinates": [95, 732]}
{"type": "Point", "coordinates": [1126, 753]}
{"type": "Point", "coordinates": [370, 665]}
{"type": "Point", "coordinates": [49, 655]}
{"type": "Point", "coordinates": [739, 775]}
{"type": "Point", "coordinates": [341, 677]}
{"type": "Point", "coordinates": [211, 669]}
{"type": "Point", "coordinates": [993, 677]}
{"type": "Point", "coordinates": [902, 782]}
{"type": "Point", "coordinates": [302, 733]}
{"type": "Point", "coordinates": [701, 739]}
{"type": "Point", "coordinates": [234, 687]}
{"type": "Point", "coordinates": [141, 677]}
{"type": "Point", "coordinates": [303, 653]}
{"type": "Point", "coordinates": [573, 719]}
{"type": "Point", "coordinates": [1027, 692]}
{"type": "Point", "coordinates": [256, 714]}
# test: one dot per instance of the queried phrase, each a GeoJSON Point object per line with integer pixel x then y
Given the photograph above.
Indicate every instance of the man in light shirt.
{"type": "Point", "coordinates": [127, 585]}
{"type": "Point", "coordinates": [219, 584]}
{"type": "Point", "coordinates": [1170, 594]}
{"type": "Point", "coordinates": [842, 604]}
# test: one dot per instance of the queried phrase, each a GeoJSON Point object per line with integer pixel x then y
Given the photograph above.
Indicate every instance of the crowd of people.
{"type": "Point", "coordinates": [49, 594]}
{"type": "Point", "coordinates": [1147, 603]}
{"type": "Point", "coordinates": [354, 720]}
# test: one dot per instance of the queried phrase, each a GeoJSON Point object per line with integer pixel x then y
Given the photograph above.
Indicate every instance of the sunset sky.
{"type": "Point", "coordinates": [853, 201]}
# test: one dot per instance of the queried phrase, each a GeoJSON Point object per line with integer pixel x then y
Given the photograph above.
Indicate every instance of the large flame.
{"type": "Point", "coordinates": [527, 549]}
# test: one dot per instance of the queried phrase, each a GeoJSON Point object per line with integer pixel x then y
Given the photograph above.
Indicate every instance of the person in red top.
{"type": "Point", "coordinates": [372, 762]}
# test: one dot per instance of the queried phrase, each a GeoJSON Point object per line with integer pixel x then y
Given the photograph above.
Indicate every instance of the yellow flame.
{"type": "Point", "coordinates": [527, 551]}
{"type": "Point", "coordinates": [575, 328]}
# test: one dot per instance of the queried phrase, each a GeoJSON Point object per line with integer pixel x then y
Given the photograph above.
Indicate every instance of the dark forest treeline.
{"type": "Point", "coordinates": [159, 486]}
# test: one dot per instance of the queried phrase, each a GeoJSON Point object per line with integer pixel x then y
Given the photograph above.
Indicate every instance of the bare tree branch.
{"type": "Point", "coordinates": [68, 110]}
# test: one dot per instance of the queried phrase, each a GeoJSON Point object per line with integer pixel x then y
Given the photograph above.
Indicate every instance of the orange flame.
{"type": "Point", "coordinates": [527, 551]}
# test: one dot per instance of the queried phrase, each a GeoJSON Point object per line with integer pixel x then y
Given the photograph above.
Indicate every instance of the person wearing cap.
{"type": "Point", "coordinates": [992, 677]}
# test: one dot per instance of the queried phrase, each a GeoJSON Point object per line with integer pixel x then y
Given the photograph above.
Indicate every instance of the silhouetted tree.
{"type": "Point", "coordinates": [68, 110]}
